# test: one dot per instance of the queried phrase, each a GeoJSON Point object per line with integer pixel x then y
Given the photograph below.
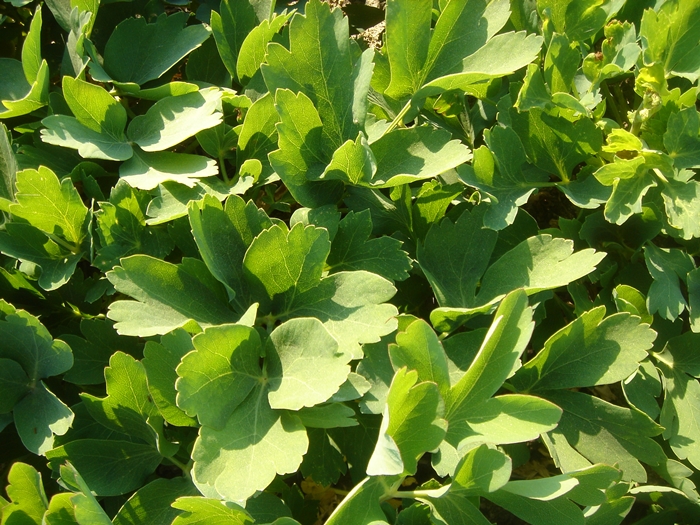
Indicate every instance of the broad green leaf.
{"type": "Point", "coordinates": [148, 60]}
{"type": "Point", "coordinates": [578, 19]}
{"type": "Point", "coordinates": [455, 509]}
{"type": "Point", "coordinates": [152, 503]}
{"type": "Point", "coordinates": [642, 388]}
{"type": "Point", "coordinates": [168, 296]}
{"type": "Point", "coordinates": [555, 144]}
{"type": "Point", "coordinates": [27, 243]}
{"type": "Point", "coordinates": [412, 424]}
{"type": "Point", "coordinates": [455, 255]}
{"type": "Point", "coordinates": [352, 163]}
{"type": "Point", "coordinates": [65, 131]}
{"type": "Point", "coordinates": [418, 348]}
{"type": "Point", "coordinates": [304, 364]}
{"type": "Point", "coordinates": [319, 65]}
{"type": "Point", "coordinates": [14, 384]}
{"type": "Point", "coordinates": [122, 228]}
{"type": "Point", "coordinates": [500, 352]}
{"type": "Point", "coordinates": [128, 405]}
{"type": "Point", "coordinates": [561, 63]}
{"type": "Point", "coordinates": [332, 415]}
{"type": "Point", "coordinates": [408, 155]}
{"type": "Point", "coordinates": [352, 249]}
{"type": "Point", "coordinates": [681, 138]}
{"type": "Point", "coordinates": [95, 108]}
{"type": "Point", "coordinates": [238, 223]}
{"type": "Point", "coordinates": [511, 418]}
{"type": "Point", "coordinates": [352, 306]}
{"type": "Point", "coordinates": [605, 433]}
{"type": "Point", "coordinates": [86, 509]}
{"type": "Point", "coordinates": [560, 511]}
{"type": "Point", "coordinates": [629, 299]}
{"type": "Point", "coordinates": [28, 342]}
{"type": "Point", "coordinates": [361, 505]}
{"type": "Point", "coordinates": [668, 267]}
{"type": "Point", "coordinates": [221, 372]}
{"type": "Point", "coordinates": [280, 264]}
{"type": "Point", "coordinates": [680, 414]}
{"type": "Point", "coordinates": [258, 135]}
{"type": "Point", "coordinates": [254, 46]}
{"type": "Point", "coordinates": [31, 49]}
{"type": "Point", "coordinates": [160, 362]}
{"type": "Point", "coordinates": [28, 501]}
{"type": "Point", "coordinates": [669, 35]}
{"type": "Point", "coordinates": [323, 462]}
{"type": "Point", "coordinates": [679, 353]}
{"type": "Point", "coordinates": [53, 206]}
{"type": "Point", "coordinates": [39, 416]}
{"type": "Point", "coordinates": [231, 26]}
{"type": "Point", "coordinates": [498, 171]}
{"type": "Point", "coordinates": [681, 202]}
{"type": "Point", "coordinates": [543, 489]}
{"type": "Point", "coordinates": [146, 170]}
{"type": "Point", "coordinates": [219, 141]}
{"type": "Point", "coordinates": [587, 352]}
{"type": "Point", "coordinates": [174, 119]}
{"type": "Point", "coordinates": [23, 98]}
{"type": "Point", "coordinates": [60, 511]}
{"type": "Point", "coordinates": [539, 263]}
{"type": "Point", "coordinates": [91, 352]}
{"type": "Point", "coordinates": [495, 59]}
{"type": "Point", "coordinates": [8, 165]}
{"type": "Point", "coordinates": [256, 444]}
{"type": "Point", "coordinates": [205, 511]}
{"type": "Point", "coordinates": [377, 370]}
{"type": "Point", "coordinates": [482, 470]}
{"type": "Point", "coordinates": [626, 197]}
{"type": "Point", "coordinates": [304, 151]}
{"type": "Point", "coordinates": [110, 467]}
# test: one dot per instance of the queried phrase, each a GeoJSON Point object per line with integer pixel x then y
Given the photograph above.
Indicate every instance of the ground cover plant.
{"type": "Point", "coordinates": [256, 270]}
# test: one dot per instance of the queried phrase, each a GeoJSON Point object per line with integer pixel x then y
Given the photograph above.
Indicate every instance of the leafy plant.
{"type": "Point", "coordinates": [255, 270]}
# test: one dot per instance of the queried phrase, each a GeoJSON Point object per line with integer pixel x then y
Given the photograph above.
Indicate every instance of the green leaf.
{"type": "Point", "coordinates": [258, 135]}
{"type": "Point", "coordinates": [60, 511]}
{"type": "Point", "coordinates": [408, 155]}
{"type": "Point", "coordinates": [27, 243]}
{"type": "Point", "coordinates": [230, 27]}
{"type": "Point", "coordinates": [680, 414]}
{"type": "Point", "coordinates": [481, 470]}
{"type": "Point", "coordinates": [171, 120]}
{"type": "Point", "coordinates": [500, 352]}
{"type": "Point", "coordinates": [239, 223]}
{"type": "Point", "coordinates": [152, 503]}
{"type": "Point", "coordinates": [511, 418]}
{"type": "Point", "coordinates": [323, 462]}
{"type": "Point", "coordinates": [53, 206]}
{"type": "Point", "coordinates": [31, 49]}
{"type": "Point", "coordinates": [8, 165]}
{"type": "Point", "coordinates": [352, 249]}
{"type": "Point", "coordinates": [553, 143]}
{"type": "Point", "coordinates": [319, 65]}
{"type": "Point", "coordinates": [418, 348]}
{"type": "Point", "coordinates": [146, 170]}
{"type": "Point", "coordinates": [168, 296]}
{"type": "Point", "coordinates": [14, 384]}
{"type": "Point", "coordinates": [681, 138]}
{"type": "Point", "coordinates": [296, 352]}
{"type": "Point", "coordinates": [28, 342]}
{"type": "Point", "coordinates": [453, 271]}
{"type": "Point", "coordinates": [605, 433]}
{"type": "Point", "coordinates": [86, 509]}
{"type": "Point", "coordinates": [626, 197]}
{"type": "Point", "coordinates": [160, 362]}
{"type": "Point", "coordinates": [281, 264]}
{"type": "Point", "coordinates": [669, 35]}
{"type": "Point", "coordinates": [150, 59]}
{"type": "Point", "coordinates": [91, 354]}
{"type": "Point", "coordinates": [27, 496]}
{"type": "Point", "coordinates": [110, 467]}
{"type": "Point", "coordinates": [39, 416]}
{"type": "Point", "coordinates": [681, 202]}
{"type": "Point", "coordinates": [333, 415]}
{"type": "Point", "coordinates": [256, 444]}
{"type": "Point", "coordinates": [254, 46]}
{"type": "Point", "coordinates": [587, 352]}
{"type": "Point", "coordinates": [205, 511]}
{"type": "Point", "coordinates": [128, 405]}
{"type": "Point", "coordinates": [22, 98]}
{"type": "Point", "coordinates": [304, 151]}
{"type": "Point", "coordinates": [67, 132]}
{"type": "Point", "coordinates": [559, 511]}
{"type": "Point", "coordinates": [668, 267]}
{"type": "Point", "coordinates": [539, 263]}
{"type": "Point", "coordinates": [219, 374]}
{"type": "Point", "coordinates": [361, 505]}
{"type": "Point", "coordinates": [412, 424]}
{"type": "Point", "coordinates": [122, 228]}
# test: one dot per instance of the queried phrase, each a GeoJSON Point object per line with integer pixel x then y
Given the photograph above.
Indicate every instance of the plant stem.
{"type": "Point", "coordinates": [222, 165]}
{"type": "Point", "coordinates": [64, 244]}
{"type": "Point", "coordinates": [398, 120]}
{"type": "Point", "coordinates": [414, 494]}
{"type": "Point", "coordinates": [184, 468]}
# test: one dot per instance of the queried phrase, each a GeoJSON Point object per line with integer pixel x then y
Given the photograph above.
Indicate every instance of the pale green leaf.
{"type": "Point", "coordinates": [254, 46]}
{"type": "Point", "coordinates": [146, 170]}
{"type": "Point", "coordinates": [152, 503]}
{"type": "Point", "coordinates": [28, 501]}
{"type": "Point", "coordinates": [205, 511]}
{"type": "Point", "coordinates": [333, 415]}
{"type": "Point", "coordinates": [231, 25]}
{"type": "Point", "coordinates": [682, 202]}
{"type": "Point", "coordinates": [668, 267]}
{"type": "Point", "coordinates": [680, 414]}
{"type": "Point", "coordinates": [67, 132]}
{"type": "Point", "coordinates": [39, 416]}
{"type": "Point", "coordinates": [14, 384]}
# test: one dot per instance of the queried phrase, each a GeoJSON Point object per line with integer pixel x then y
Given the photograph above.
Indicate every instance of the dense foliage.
{"type": "Point", "coordinates": [254, 270]}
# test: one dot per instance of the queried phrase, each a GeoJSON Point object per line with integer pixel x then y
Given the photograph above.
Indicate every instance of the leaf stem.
{"type": "Point", "coordinates": [65, 244]}
{"type": "Point", "coordinates": [222, 166]}
{"type": "Point", "coordinates": [415, 494]}
{"type": "Point", "coordinates": [185, 468]}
